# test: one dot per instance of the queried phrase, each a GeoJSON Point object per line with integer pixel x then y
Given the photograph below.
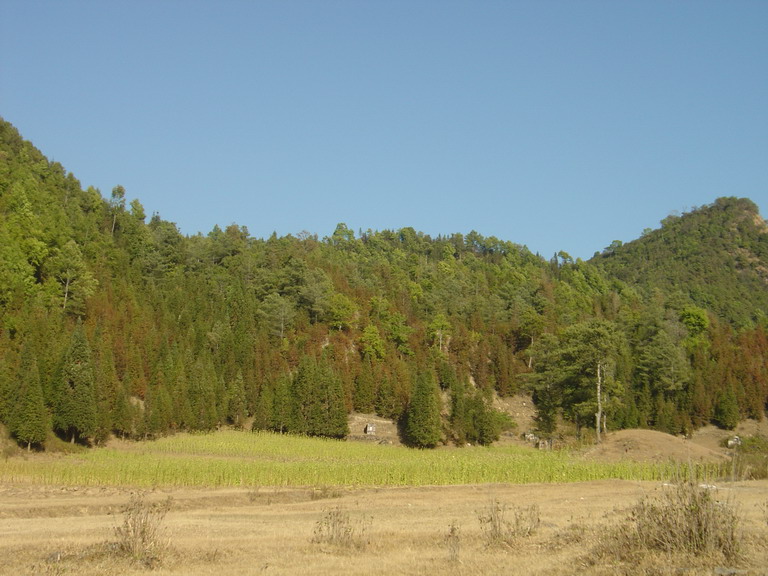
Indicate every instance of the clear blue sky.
{"type": "Point", "coordinates": [558, 125]}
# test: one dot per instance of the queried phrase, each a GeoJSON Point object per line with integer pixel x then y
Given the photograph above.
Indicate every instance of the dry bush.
{"type": "Point", "coordinates": [337, 528]}
{"type": "Point", "coordinates": [141, 537]}
{"type": "Point", "coordinates": [499, 531]}
{"type": "Point", "coordinates": [686, 521]}
{"type": "Point", "coordinates": [453, 541]}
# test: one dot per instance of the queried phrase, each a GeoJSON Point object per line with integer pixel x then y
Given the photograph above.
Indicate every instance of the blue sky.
{"type": "Point", "coordinates": [558, 125]}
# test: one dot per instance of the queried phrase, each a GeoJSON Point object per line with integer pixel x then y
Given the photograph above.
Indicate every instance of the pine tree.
{"type": "Point", "coordinates": [365, 387]}
{"type": "Point", "coordinates": [29, 421]}
{"type": "Point", "coordinates": [334, 413]}
{"type": "Point", "coordinates": [74, 413]}
{"type": "Point", "coordinates": [422, 418]}
{"type": "Point", "coordinates": [158, 408]}
{"type": "Point", "coordinates": [7, 392]}
{"type": "Point", "coordinates": [124, 416]}
{"type": "Point", "coordinates": [236, 400]}
{"type": "Point", "coordinates": [301, 398]}
{"type": "Point", "coordinates": [262, 413]}
{"type": "Point", "coordinates": [281, 405]}
{"type": "Point", "coordinates": [727, 409]}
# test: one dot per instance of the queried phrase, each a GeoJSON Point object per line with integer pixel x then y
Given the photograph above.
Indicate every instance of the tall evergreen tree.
{"type": "Point", "coordinates": [29, 421]}
{"type": "Point", "coordinates": [727, 409]}
{"type": "Point", "coordinates": [74, 414]}
{"type": "Point", "coordinates": [423, 427]}
{"type": "Point", "coordinates": [236, 400]}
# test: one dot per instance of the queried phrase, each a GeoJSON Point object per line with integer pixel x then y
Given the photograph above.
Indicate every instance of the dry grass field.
{"type": "Point", "coordinates": [45, 530]}
{"type": "Point", "coordinates": [540, 529]}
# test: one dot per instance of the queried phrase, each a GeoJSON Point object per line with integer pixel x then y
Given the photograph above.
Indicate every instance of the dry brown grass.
{"type": "Point", "coordinates": [504, 525]}
{"type": "Point", "coordinates": [452, 542]}
{"type": "Point", "coordinates": [409, 531]}
{"type": "Point", "coordinates": [142, 537]}
{"type": "Point", "coordinates": [337, 528]}
{"type": "Point", "coordinates": [688, 528]}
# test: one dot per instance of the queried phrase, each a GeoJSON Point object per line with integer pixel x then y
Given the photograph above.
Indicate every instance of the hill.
{"type": "Point", "coordinates": [715, 257]}
{"type": "Point", "coordinates": [112, 323]}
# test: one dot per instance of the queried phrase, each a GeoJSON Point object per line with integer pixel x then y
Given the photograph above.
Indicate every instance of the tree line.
{"type": "Point", "coordinates": [115, 323]}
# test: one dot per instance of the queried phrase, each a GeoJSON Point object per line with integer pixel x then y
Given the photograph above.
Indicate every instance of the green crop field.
{"type": "Point", "coordinates": [232, 458]}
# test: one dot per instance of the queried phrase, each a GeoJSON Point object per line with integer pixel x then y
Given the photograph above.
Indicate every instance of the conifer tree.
{"type": "Point", "coordinates": [236, 400]}
{"type": "Point", "coordinates": [727, 409]}
{"type": "Point", "coordinates": [334, 413]}
{"type": "Point", "coordinates": [124, 415]}
{"type": "Point", "coordinates": [158, 408]}
{"type": "Point", "coordinates": [6, 392]}
{"type": "Point", "coordinates": [74, 413]}
{"type": "Point", "coordinates": [281, 406]}
{"type": "Point", "coordinates": [301, 397]}
{"type": "Point", "coordinates": [262, 413]}
{"type": "Point", "coordinates": [365, 387]}
{"type": "Point", "coordinates": [29, 420]}
{"type": "Point", "coordinates": [317, 401]}
{"type": "Point", "coordinates": [422, 418]}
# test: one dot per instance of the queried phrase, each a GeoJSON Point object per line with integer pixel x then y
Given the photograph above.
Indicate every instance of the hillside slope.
{"type": "Point", "coordinates": [114, 325]}
{"type": "Point", "coordinates": [715, 256]}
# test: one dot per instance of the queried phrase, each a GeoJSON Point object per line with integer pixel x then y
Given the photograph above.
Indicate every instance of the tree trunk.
{"type": "Point", "coordinates": [66, 293]}
{"type": "Point", "coordinates": [599, 414]}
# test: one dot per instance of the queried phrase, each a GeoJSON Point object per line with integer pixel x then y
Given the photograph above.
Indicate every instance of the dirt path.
{"type": "Point", "coordinates": [403, 530]}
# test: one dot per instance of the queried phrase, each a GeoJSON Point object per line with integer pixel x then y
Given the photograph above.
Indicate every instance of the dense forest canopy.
{"type": "Point", "coordinates": [116, 323]}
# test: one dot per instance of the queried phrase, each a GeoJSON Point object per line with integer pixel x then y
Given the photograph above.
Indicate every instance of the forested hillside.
{"type": "Point", "coordinates": [115, 323]}
{"type": "Point", "coordinates": [715, 256]}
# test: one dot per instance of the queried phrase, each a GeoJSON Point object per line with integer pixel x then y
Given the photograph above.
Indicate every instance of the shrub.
{"type": "Point", "coordinates": [498, 530]}
{"type": "Point", "coordinates": [453, 541]}
{"type": "Point", "coordinates": [141, 536]}
{"type": "Point", "coordinates": [685, 519]}
{"type": "Point", "coordinates": [336, 528]}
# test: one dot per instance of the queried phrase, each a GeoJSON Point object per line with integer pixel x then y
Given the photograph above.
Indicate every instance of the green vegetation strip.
{"type": "Point", "coordinates": [230, 458]}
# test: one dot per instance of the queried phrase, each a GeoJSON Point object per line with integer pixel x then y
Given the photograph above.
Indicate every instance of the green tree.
{"type": "Point", "coordinates": [116, 205]}
{"type": "Point", "coordinates": [278, 313]}
{"type": "Point", "coordinates": [314, 295]}
{"type": "Point", "coordinates": [399, 333]}
{"type": "Point", "coordinates": [317, 401]}
{"type": "Point", "coordinates": [332, 405]}
{"type": "Point", "coordinates": [579, 368]}
{"type": "Point", "coordinates": [125, 415]}
{"type": "Point", "coordinates": [727, 409]}
{"type": "Point", "coordinates": [662, 364]}
{"type": "Point", "coordinates": [473, 418]}
{"type": "Point", "coordinates": [365, 386]}
{"type": "Point", "coordinates": [423, 428]}
{"type": "Point", "coordinates": [281, 415]}
{"type": "Point", "coordinates": [70, 272]}
{"type": "Point", "coordinates": [74, 414]}
{"type": "Point", "coordinates": [236, 400]}
{"type": "Point", "coordinates": [341, 311]}
{"type": "Point", "coordinates": [439, 331]}
{"type": "Point", "coordinates": [590, 353]}
{"type": "Point", "coordinates": [545, 382]}
{"type": "Point", "coordinates": [29, 420]}
{"type": "Point", "coordinates": [372, 344]}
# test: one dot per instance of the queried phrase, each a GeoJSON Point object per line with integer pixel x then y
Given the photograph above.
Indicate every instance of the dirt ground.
{"type": "Point", "coordinates": [68, 530]}
{"type": "Point", "coordinates": [395, 531]}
